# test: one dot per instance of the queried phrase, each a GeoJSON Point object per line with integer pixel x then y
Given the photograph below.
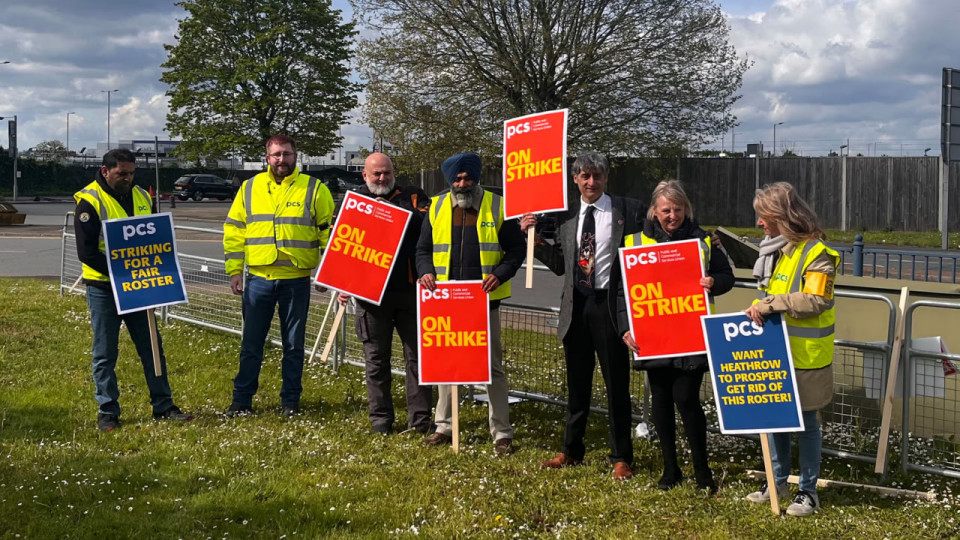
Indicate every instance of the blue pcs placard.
{"type": "Point", "coordinates": [144, 268]}
{"type": "Point", "coordinates": [752, 374]}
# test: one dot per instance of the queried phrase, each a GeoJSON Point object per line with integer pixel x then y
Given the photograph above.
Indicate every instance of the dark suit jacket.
{"type": "Point", "coordinates": [628, 217]}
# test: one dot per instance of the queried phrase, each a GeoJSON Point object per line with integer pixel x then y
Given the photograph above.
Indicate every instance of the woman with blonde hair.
{"type": "Point", "coordinates": [676, 381]}
{"type": "Point", "coordinates": [795, 275]}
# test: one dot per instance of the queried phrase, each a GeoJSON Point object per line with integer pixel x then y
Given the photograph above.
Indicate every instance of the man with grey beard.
{"type": "Point", "coordinates": [397, 310]}
{"type": "Point", "coordinates": [466, 238]}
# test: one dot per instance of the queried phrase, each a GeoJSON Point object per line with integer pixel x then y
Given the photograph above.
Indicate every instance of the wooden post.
{"type": "Point", "coordinates": [316, 343]}
{"type": "Point", "coordinates": [455, 403]}
{"type": "Point", "coordinates": [886, 417]}
{"type": "Point", "coordinates": [333, 332]}
{"type": "Point", "coordinates": [771, 481]}
{"type": "Point", "coordinates": [531, 238]}
{"type": "Point", "coordinates": [154, 342]}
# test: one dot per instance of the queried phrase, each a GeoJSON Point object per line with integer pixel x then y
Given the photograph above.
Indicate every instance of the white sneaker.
{"type": "Point", "coordinates": [763, 495]}
{"type": "Point", "coordinates": [803, 504]}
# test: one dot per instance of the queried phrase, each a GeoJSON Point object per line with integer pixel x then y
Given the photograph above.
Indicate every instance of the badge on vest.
{"type": "Point", "coordinates": [487, 224]}
{"type": "Point", "coordinates": [84, 217]}
{"type": "Point", "coordinates": [294, 203]}
{"type": "Point", "coordinates": [141, 208]}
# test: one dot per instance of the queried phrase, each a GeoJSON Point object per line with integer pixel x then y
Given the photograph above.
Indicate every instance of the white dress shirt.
{"type": "Point", "coordinates": [603, 218]}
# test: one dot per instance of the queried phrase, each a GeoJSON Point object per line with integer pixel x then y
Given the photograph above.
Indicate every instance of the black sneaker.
{"type": "Point", "coordinates": [235, 410]}
{"type": "Point", "coordinates": [289, 411]}
{"type": "Point", "coordinates": [383, 429]}
{"type": "Point", "coordinates": [108, 422]}
{"type": "Point", "coordinates": [173, 413]}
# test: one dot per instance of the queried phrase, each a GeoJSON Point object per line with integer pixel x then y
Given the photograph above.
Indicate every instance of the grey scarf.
{"type": "Point", "coordinates": [763, 268]}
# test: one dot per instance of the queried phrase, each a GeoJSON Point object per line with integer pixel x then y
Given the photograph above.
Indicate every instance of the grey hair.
{"type": "Point", "coordinates": [591, 162]}
{"type": "Point", "coordinates": [672, 191]}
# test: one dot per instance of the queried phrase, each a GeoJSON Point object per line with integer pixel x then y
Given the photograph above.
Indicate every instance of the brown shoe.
{"type": "Point", "coordinates": [503, 447]}
{"type": "Point", "coordinates": [621, 471]}
{"type": "Point", "coordinates": [438, 439]}
{"type": "Point", "coordinates": [562, 460]}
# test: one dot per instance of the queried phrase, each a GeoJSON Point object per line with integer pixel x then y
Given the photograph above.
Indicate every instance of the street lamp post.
{"type": "Point", "coordinates": [68, 130]}
{"type": "Point", "coordinates": [925, 150]}
{"type": "Point", "coordinates": [775, 138]}
{"type": "Point", "coordinates": [108, 92]}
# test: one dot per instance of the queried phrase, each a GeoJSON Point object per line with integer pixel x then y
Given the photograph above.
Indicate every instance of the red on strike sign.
{"type": "Point", "coordinates": [535, 163]}
{"type": "Point", "coordinates": [664, 297]}
{"type": "Point", "coordinates": [363, 244]}
{"type": "Point", "coordinates": [454, 332]}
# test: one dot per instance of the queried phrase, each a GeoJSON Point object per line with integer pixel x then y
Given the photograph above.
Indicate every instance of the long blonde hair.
{"type": "Point", "coordinates": [671, 190]}
{"type": "Point", "coordinates": [780, 204]}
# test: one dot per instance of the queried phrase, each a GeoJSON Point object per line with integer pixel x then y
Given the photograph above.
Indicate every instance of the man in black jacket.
{"type": "Point", "coordinates": [593, 316]}
{"type": "Point", "coordinates": [398, 309]}
{"type": "Point", "coordinates": [112, 195]}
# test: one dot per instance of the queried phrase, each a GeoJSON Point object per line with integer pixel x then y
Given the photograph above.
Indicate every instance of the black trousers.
{"type": "Point", "coordinates": [671, 387]}
{"type": "Point", "coordinates": [375, 325]}
{"type": "Point", "coordinates": [592, 337]}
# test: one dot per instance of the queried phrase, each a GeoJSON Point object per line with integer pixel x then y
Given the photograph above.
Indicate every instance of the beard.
{"type": "Point", "coordinates": [381, 189]}
{"type": "Point", "coordinates": [465, 197]}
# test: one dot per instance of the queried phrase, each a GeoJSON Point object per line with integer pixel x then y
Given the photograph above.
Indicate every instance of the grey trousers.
{"type": "Point", "coordinates": [375, 325]}
{"type": "Point", "coordinates": [500, 426]}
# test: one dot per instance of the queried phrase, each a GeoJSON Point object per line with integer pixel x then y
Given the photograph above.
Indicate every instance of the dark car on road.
{"type": "Point", "coordinates": [198, 186]}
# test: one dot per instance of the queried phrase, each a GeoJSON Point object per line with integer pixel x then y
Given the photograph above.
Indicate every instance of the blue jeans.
{"type": "Point", "coordinates": [260, 300]}
{"type": "Point", "coordinates": [810, 445]}
{"type": "Point", "coordinates": [106, 337]}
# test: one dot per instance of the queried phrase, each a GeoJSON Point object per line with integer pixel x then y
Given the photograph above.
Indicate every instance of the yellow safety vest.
{"type": "Point", "coordinates": [108, 208]}
{"type": "Point", "coordinates": [489, 220]}
{"type": "Point", "coordinates": [705, 244]}
{"type": "Point", "coordinates": [281, 233]}
{"type": "Point", "coordinates": [811, 339]}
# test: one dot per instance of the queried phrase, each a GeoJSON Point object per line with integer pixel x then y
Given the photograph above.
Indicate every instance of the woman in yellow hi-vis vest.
{"type": "Point", "coordinates": [676, 381]}
{"type": "Point", "coordinates": [795, 274]}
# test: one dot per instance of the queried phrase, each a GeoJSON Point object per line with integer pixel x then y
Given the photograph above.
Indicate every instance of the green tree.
{"type": "Point", "coordinates": [636, 74]}
{"type": "Point", "coordinates": [244, 70]}
{"type": "Point", "coordinates": [49, 150]}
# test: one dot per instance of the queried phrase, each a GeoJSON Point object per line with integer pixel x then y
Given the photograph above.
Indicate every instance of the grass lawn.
{"type": "Point", "coordinates": [324, 475]}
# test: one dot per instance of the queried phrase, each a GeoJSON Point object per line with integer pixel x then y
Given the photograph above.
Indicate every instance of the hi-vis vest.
{"type": "Point", "coordinates": [266, 229]}
{"type": "Point", "coordinates": [489, 221]}
{"type": "Point", "coordinates": [811, 339]}
{"type": "Point", "coordinates": [108, 208]}
{"type": "Point", "coordinates": [705, 247]}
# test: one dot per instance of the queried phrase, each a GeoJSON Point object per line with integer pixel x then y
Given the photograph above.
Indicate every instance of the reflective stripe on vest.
{"type": "Point", "coordinates": [811, 338]}
{"type": "Point", "coordinates": [286, 226]}
{"type": "Point", "coordinates": [108, 208]}
{"type": "Point", "coordinates": [631, 240]}
{"type": "Point", "coordinates": [491, 211]}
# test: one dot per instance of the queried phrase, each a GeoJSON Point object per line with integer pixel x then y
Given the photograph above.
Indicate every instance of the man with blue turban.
{"type": "Point", "coordinates": [466, 238]}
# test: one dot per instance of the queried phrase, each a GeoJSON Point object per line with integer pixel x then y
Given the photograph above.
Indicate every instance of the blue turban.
{"type": "Point", "coordinates": [466, 162]}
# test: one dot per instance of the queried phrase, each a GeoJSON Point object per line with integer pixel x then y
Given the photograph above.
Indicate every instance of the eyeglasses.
{"type": "Point", "coordinates": [281, 155]}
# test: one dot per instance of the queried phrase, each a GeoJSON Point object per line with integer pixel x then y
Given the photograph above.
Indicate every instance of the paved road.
{"type": "Point", "coordinates": [34, 249]}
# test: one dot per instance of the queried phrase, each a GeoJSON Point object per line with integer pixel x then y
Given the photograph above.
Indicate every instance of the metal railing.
{"type": "Point", "coordinates": [934, 266]}
{"type": "Point", "coordinates": [930, 404]}
{"type": "Point", "coordinates": [535, 366]}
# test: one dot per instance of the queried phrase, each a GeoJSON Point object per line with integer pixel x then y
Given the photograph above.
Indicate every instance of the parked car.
{"type": "Point", "coordinates": [198, 186]}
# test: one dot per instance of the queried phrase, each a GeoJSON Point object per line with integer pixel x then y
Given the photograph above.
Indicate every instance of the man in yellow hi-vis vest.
{"type": "Point", "coordinates": [112, 195]}
{"type": "Point", "coordinates": [277, 225]}
{"type": "Point", "coordinates": [466, 238]}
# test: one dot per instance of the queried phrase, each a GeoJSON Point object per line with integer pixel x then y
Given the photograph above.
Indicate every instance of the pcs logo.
{"type": "Point", "coordinates": [294, 204]}
{"type": "Point", "coordinates": [518, 129]}
{"type": "Point", "coordinates": [436, 294]}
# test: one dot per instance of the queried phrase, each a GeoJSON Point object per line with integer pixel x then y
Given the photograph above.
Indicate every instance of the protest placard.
{"type": "Point", "coordinates": [664, 298]}
{"type": "Point", "coordinates": [535, 163]}
{"type": "Point", "coordinates": [142, 259]}
{"type": "Point", "coordinates": [751, 370]}
{"type": "Point", "coordinates": [363, 247]}
{"type": "Point", "coordinates": [453, 331]}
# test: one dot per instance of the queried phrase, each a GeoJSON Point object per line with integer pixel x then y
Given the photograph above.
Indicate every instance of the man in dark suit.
{"type": "Point", "coordinates": [593, 315]}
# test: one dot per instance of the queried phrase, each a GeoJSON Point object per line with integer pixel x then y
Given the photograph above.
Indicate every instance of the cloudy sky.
{"type": "Point", "coordinates": [830, 70]}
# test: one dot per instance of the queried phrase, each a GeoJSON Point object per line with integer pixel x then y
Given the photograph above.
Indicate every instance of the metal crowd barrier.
{"type": "Point", "coordinates": [931, 419]}
{"type": "Point", "coordinates": [533, 359]}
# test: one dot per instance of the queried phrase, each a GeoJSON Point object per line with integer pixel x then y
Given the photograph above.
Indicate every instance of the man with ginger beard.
{"type": "Point", "coordinates": [398, 309]}
{"type": "Point", "coordinates": [467, 238]}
